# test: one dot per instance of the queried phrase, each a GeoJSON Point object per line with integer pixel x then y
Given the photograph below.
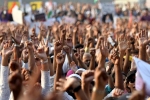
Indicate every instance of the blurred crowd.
{"type": "Point", "coordinates": [84, 54]}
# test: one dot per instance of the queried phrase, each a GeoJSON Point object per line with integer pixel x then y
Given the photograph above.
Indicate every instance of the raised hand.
{"type": "Point", "coordinates": [114, 57]}
{"type": "Point", "coordinates": [87, 77]}
{"type": "Point", "coordinates": [103, 48]}
{"type": "Point", "coordinates": [122, 43]}
{"type": "Point", "coordinates": [77, 55]}
{"type": "Point", "coordinates": [58, 46]}
{"type": "Point", "coordinates": [14, 66]}
{"type": "Point", "coordinates": [88, 27]}
{"type": "Point", "coordinates": [73, 66]}
{"type": "Point", "coordinates": [75, 29]}
{"type": "Point", "coordinates": [143, 38]}
{"type": "Point", "coordinates": [92, 52]}
{"type": "Point", "coordinates": [7, 50]}
{"type": "Point", "coordinates": [65, 84]}
{"type": "Point", "coordinates": [101, 78]}
{"type": "Point", "coordinates": [66, 49]}
{"type": "Point", "coordinates": [45, 46]}
{"type": "Point", "coordinates": [69, 42]}
{"type": "Point", "coordinates": [60, 58]}
{"type": "Point", "coordinates": [15, 84]}
{"type": "Point", "coordinates": [26, 75]}
{"type": "Point", "coordinates": [143, 41]}
{"type": "Point", "coordinates": [29, 45]}
{"type": "Point", "coordinates": [25, 55]}
{"type": "Point", "coordinates": [117, 92]}
{"type": "Point", "coordinates": [40, 53]}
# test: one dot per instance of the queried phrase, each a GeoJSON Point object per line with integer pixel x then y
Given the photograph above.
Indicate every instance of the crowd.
{"type": "Point", "coordinates": [91, 58]}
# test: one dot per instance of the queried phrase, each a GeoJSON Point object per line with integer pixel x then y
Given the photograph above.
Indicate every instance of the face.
{"type": "Point", "coordinates": [131, 83]}
{"type": "Point", "coordinates": [86, 59]}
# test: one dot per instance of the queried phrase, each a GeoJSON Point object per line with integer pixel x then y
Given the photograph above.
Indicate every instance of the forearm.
{"type": "Point", "coordinates": [81, 64]}
{"type": "Point", "coordinates": [101, 62]}
{"type": "Point", "coordinates": [16, 54]}
{"type": "Point", "coordinates": [74, 39]}
{"type": "Point", "coordinates": [86, 90]}
{"type": "Point", "coordinates": [50, 67]}
{"type": "Point", "coordinates": [56, 36]}
{"type": "Point", "coordinates": [44, 65]}
{"type": "Point", "coordinates": [92, 63]}
{"type": "Point", "coordinates": [54, 61]}
{"type": "Point", "coordinates": [125, 66]}
{"type": "Point", "coordinates": [121, 60]}
{"type": "Point", "coordinates": [80, 95]}
{"type": "Point", "coordinates": [98, 94]}
{"type": "Point", "coordinates": [118, 77]}
{"type": "Point", "coordinates": [91, 45]}
{"type": "Point", "coordinates": [74, 59]}
{"type": "Point", "coordinates": [58, 74]}
{"type": "Point", "coordinates": [62, 39]}
{"type": "Point", "coordinates": [142, 53]}
{"type": "Point", "coordinates": [31, 60]}
{"type": "Point", "coordinates": [97, 45]}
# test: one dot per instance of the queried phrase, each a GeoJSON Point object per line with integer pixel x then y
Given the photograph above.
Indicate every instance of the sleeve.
{"type": "Point", "coordinates": [51, 82]}
{"type": "Point", "coordinates": [4, 86]}
{"type": "Point", "coordinates": [11, 96]}
{"type": "Point", "coordinates": [45, 82]}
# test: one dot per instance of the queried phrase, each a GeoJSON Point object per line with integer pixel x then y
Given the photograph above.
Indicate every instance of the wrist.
{"type": "Point", "coordinates": [56, 52]}
{"type": "Point", "coordinates": [31, 51]}
{"type": "Point", "coordinates": [99, 90]}
{"type": "Point", "coordinates": [45, 60]}
{"type": "Point", "coordinates": [85, 86]}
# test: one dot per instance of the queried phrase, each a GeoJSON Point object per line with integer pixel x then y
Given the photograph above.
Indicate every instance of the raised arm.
{"type": "Point", "coordinates": [92, 62]}
{"type": "Point", "coordinates": [101, 80]}
{"type": "Point", "coordinates": [45, 72]}
{"type": "Point", "coordinates": [81, 64]}
{"type": "Point", "coordinates": [60, 58]}
{"type": "Point", "coordinates": [31, 59]}
{"type": "Point", "coordinates": [4, 86]}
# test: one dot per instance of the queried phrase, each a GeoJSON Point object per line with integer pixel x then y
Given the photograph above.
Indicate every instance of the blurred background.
{"type": "Point", "coordinates": [30, 11]}
{"type": "Point", "coordinates": [82, 1]}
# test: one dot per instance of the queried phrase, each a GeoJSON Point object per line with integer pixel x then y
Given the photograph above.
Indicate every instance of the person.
{"type": "Point", "coordinates": [84, 60]}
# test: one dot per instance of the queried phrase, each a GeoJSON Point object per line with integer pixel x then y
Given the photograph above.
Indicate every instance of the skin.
{"type": "Point", "coordinates": [84, 60]}
{"type": "Point", "coordinates": [87, 59]}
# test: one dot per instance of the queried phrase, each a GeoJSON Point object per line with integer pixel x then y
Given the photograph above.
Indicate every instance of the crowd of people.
{"type": "Point", "coordinates": [91, 58]}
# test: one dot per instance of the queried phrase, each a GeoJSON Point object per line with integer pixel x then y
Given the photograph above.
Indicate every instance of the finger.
{"type": "Point", "coordinates": [59, 83]}
{"type": "Point", "coordinates": [59, 88]}
{"type": "Point", "coordinates": [62, 80]}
